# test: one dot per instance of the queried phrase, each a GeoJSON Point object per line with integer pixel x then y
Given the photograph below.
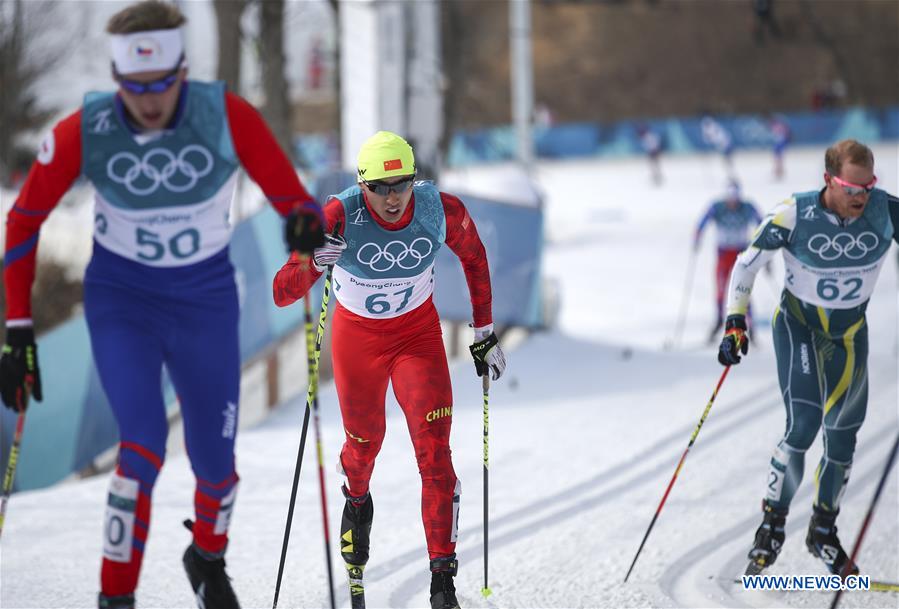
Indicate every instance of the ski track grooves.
{"type": "Point", "coordinates": [578, 496]}
{"type": "Point", "coordinates": [733, 567]}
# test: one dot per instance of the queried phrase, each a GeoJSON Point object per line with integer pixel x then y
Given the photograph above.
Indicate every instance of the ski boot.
{"type": "Point", "coordinates": [769, 539]}
{"type": "Point", "coordinates": [355, 530]}
{"type": "Point", "coordinates": [443, 591]}
{"type": "Point", "coordinates": [207, 577]}
{"type": "Point", "coordinates": [125, 601]}
{"type": "Point", "coordinates": [822, 541]}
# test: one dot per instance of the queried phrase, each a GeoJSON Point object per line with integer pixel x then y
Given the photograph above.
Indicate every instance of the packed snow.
{"type": "Point", "coordinates": [586, 429]}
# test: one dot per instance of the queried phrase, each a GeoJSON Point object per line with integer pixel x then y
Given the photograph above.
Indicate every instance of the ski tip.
{"type": "Point", "coordinates": [486, 592]}
{"type": "Point", "coordinates": [753, 568]}
{"type": "Point", "coordinates": [884, 586]}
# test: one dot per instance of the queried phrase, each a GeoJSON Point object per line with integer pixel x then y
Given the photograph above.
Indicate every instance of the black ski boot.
{"type": "Point", "coordinates": [208, 578]}
{"type": "Point", "coordinates": [443, 591]}
{"type": "Point", "coordinates": [125, 601]}
{"type": "Point", "coordinates": [769, 539]}
{"type": "Point", "coordinates": [355, 531]}
{"type": "Point", "coordinates": [822, 541]}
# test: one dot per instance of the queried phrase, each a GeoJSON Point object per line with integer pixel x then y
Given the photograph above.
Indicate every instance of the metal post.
{"type": "Point", "coordinates": [522, 80]}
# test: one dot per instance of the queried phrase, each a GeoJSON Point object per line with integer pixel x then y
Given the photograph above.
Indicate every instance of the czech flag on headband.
{"type": "Point", "coordinates": [393, 165]}
{"type": "Point", "coordinates": [144, 51]}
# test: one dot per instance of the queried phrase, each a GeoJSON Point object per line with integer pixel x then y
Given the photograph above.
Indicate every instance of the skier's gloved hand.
{"type": "Point", "coordinates": [735, 341]}
{"type": "Point", "coordinates": [487, 354]}
{"type": "Point", "coordinates": [20, 375]}
{"type": "Point", "coordinates": [304, 229]}
{"type": "Point", "coordinates": [329, 253]}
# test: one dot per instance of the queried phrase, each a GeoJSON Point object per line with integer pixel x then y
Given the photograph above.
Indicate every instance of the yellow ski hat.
{"type": "Point", "coordinates": [385, 155]}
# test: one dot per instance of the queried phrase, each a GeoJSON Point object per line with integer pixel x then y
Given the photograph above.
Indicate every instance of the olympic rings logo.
{"type": "Point", "coordinates": [395, 253]}
{"type": "Point", "coordinates": [843, 244]}
{"type": "Point", "coordinates": [142, 177]}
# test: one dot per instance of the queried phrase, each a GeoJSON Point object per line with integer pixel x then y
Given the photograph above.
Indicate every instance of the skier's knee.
{"type": "Point", "coordinates": [801, 436]}
{"type": "Point", "coordinates": [141, 462]}
{"type": "Point", "coordinates": [840, 445]}
{"type": "Point", "coordinates": [435, 462]}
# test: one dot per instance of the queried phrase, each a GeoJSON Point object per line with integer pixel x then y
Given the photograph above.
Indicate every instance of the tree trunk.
{"type": "Point", "coordinates": [227, 16]}
{"type": "Point", "coordinates": [271, 55]}
{"type": "Point", "coordinates": [335, 6]}
{"type": "Point", "coordinates": [454, 36]}
{"type": "Point", "coordinates": [10, 58]}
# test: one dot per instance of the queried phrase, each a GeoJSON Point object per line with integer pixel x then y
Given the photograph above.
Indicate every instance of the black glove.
{"type": "Point", "coordinates": [735, 341]}
{"type": "Point", "coordinates": [304, 229]}
{"type": "Point", "coordinates": [20, 375]}
{"type": "Point", "coordinates": [488, 355]}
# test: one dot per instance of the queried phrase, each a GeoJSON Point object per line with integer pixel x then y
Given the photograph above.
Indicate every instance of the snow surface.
{"type": "Point", "coordinates": [585, 432]}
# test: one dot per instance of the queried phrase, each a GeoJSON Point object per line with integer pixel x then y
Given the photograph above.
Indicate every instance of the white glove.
{"type": "Point", "coordinates": [486, 352]}
{"type": "Point", "coordinates": [329, 253]}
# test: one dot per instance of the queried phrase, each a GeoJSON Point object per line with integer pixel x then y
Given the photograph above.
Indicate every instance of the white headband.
{"type": "Point", "coordinates": [146, 51]}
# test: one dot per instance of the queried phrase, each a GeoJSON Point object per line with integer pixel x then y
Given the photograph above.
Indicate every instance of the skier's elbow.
{"type": "Point", "coordinates": [282, 300]}
{"type": "Point", "coordinates": [282, 295]}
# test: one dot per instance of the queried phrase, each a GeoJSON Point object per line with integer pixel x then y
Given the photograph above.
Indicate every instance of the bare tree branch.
{"type": "Point", "coordinates": [30, 47]}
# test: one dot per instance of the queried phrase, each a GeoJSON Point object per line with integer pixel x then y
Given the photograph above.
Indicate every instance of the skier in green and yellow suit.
{"type": "Point", "coordinates": [834, 243]}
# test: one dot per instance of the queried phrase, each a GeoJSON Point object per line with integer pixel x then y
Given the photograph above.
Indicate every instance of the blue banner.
{"type": "Point", "coordinates": [513, 238]}
{"type": "Point", "coordinates": [678, 135]}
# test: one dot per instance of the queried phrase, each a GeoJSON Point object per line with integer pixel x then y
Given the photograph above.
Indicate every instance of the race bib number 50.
{"type": "Point", "coordinates": [151, 247]}
{"type": "Point", "coordinates": [165, 236]}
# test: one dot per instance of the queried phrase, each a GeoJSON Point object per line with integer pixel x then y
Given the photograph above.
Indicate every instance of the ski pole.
{"type": "Point", "coordinates": [685, 300]}
{"type": "Point", "coordinates": [485, 384]}
{"type": "Point", "coordinates": [861, 533]}
{"type": "Point", "coordinates": [11, 466]}
{"type": "Point", "coordinates": [310, 350]}
{"type": "Point", "coordinates": [310, 395]}
{"type": "Point", "coordinates": [705, 414]}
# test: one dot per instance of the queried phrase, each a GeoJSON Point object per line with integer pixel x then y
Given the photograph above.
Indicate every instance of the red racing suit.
{"type": "Point", "coordinates": [408, 351]}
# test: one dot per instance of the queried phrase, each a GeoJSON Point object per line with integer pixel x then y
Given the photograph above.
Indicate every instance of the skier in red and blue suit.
{"type": "Point", "coordinates": [162, 154]}
{"type": "Point", "coordinates": [734, 218]}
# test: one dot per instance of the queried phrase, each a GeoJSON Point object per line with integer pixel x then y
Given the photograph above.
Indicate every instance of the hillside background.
{"type": "Point", "coordinates": [609, 60]}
